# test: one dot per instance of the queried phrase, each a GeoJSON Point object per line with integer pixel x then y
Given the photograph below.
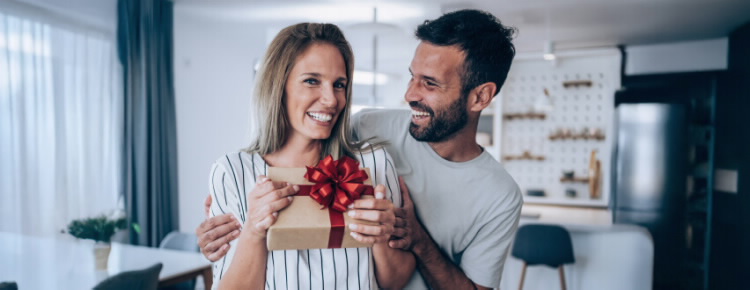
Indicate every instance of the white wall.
{"type": "Point", "coordinates": [213, 75]}
{"type": "Point", "coordinates": [689, 56]}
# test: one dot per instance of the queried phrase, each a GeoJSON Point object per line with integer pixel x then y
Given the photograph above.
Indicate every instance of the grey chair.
{"type": "Point", "coordinates": [146, 279]}
{"type": "Point", "coordinates": [539, 244]}
{"type": "Point", "coordinates": [182, 242]}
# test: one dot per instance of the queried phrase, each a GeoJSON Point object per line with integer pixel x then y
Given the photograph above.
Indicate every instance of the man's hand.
{"type": "Point", "coordinates": [409, 235]}
{"type": "Point", "coordinates": [378, 210]}
{"type": "Point", "coordinates": [408, 232]}
{"type": "Point", "coordinates": [215, 233]}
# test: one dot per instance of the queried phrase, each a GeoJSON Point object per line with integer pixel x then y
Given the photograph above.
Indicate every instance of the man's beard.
{"type": "Point", "coordinates": [443, 124]}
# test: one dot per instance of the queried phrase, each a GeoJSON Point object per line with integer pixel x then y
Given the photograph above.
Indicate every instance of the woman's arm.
{"type": "Point", "coordinates": [248, 268]}
{"type": "Point", "coordinates": [393, 267]}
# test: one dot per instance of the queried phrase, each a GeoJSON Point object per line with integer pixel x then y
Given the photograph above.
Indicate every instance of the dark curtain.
{"type": "Point", "coordinates": [144, 34]}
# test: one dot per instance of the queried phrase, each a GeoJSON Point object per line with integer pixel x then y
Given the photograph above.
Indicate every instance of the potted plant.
{"type": "Point", "coordinates": [100, 229]}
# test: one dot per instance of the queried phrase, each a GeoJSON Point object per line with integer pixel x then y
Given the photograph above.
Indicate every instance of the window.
{"type": "Point", "coordinates": [60, 131]}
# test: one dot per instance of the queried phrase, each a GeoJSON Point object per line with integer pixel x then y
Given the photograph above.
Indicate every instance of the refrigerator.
{"type": "Point", "coordinates": [650, 180]}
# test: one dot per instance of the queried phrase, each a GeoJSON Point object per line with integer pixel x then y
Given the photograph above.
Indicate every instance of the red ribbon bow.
{"type": "Point", "coordinates": [338, 183]}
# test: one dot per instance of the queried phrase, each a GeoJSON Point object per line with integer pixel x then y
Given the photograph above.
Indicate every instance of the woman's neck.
{"type": "Point", "coordinates": [296, 154]}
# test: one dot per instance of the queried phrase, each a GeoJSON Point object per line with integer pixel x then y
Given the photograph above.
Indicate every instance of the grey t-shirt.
{"type": "Point", "coordinates": [471, 209]}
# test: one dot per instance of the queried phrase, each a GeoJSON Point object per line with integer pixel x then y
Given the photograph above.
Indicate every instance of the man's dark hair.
{"type": "Point", "coordinates": [485, 41]}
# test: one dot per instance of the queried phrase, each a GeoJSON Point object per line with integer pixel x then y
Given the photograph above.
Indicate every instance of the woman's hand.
{"type": "Point", "coordinates": [265, 201]}
{"type": "Point", "coordinates": [378, 210]}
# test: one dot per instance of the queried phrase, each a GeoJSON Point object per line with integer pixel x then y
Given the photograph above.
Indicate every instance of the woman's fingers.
{"type": "Point", "coordinates": [279, 192]}
{"type": "Point", "coordinates": [372, 203]}
{"type": "Point", "coordinates": [377, 216]}
{"type": "Point", "coordinates": [372, 230]}
{"type": "Point", "coordinates": [265, 223]}
{"type": "Point", "coordinates": [369, 239]}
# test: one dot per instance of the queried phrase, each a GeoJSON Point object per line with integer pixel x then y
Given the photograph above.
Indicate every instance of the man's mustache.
{"type": "Point", "coordinates": [421, 107]}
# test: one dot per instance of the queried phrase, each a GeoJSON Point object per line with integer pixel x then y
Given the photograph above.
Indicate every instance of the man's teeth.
{"type": "Point", "coordinates": [419, 114]}
{"type": "Point", "coordinates": [320, 116]}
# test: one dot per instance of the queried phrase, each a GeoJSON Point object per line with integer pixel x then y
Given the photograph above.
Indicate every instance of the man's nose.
{"type": "Point", "coordinates": [412, 92]}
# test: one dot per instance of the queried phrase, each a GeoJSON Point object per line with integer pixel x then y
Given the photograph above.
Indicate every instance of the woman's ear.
{"type": "Point", "coordinates": [481, 96]}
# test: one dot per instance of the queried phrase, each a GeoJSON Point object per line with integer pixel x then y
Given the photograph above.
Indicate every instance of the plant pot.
{"type": "Point", "coordinates": [101, 255]}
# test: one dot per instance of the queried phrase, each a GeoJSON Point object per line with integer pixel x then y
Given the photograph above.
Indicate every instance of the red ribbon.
{"type": "Point", "coordinates": [337, 184]}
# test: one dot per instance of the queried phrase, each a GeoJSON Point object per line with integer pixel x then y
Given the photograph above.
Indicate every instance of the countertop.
{"type": "Point", "coordinates": [565, 215]}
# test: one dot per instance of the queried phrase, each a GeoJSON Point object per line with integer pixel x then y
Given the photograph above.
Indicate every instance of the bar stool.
{"type": "Point", "coordinates": [549, 245]}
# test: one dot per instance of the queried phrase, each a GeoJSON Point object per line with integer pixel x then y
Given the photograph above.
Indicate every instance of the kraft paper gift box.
{"type": "Point", "coordinates": [305, 224]}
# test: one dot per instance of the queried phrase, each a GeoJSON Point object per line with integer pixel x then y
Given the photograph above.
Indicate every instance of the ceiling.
{"type": "Point", "coordinates": [569, 23]}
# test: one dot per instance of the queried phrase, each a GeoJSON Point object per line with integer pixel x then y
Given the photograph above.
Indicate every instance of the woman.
{"type": "Point", "coordinates": [303, 98]}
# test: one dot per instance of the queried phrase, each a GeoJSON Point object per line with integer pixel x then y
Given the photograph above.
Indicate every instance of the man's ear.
{"type": "Point", "coordinates": [481, 96]}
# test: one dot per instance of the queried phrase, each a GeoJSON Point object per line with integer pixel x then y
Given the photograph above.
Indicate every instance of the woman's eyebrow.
{"type": "Point", "coordinates": [313, 74]}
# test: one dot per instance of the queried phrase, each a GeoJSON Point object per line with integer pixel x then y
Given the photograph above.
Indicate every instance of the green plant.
{"type": "Point", "coordinates": [99, 228]}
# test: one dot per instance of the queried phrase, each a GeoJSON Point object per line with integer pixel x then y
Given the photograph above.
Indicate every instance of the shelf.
{"type": "Point", "coordinates": [575, 179]}
{"type": "Point", "coordinates": [525, 156]}
{"type": "Point", "coordinates": [528, 115]}
{"type": "Point", "coordinates": [568, 201]}
{"type": "Point", "coordinates": [576, 137]}
{"type": "Point", "coordinates": [580, 83]}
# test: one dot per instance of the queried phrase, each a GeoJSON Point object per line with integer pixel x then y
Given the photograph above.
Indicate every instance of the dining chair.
{"type": "Point", "coordinates": [183, 242]}
{"type": "Point", "coordinates": [540, 244]}
{"type": "Point", "coordinates": [180, 241]}
{"type": "Point", "coordinates": [146, 279]}
{"type": "Point", "coordinates": [8, 286]}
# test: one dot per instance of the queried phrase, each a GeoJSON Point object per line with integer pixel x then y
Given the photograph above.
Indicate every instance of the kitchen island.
{"type": "Point", "coordinates": [608, 256]}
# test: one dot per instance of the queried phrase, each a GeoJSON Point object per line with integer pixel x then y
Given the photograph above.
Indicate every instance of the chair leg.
{"type": "Point", "coordinates": [562, 277]}
{"type": "Point", "coordinates": [523, 276]}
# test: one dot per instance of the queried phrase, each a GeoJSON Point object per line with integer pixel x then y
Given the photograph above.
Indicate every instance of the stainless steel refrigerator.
{"type": "Point", "coordinates": [649, 180]}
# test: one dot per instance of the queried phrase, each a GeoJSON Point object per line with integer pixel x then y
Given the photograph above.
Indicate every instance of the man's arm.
{"type": "Point", "coordinates": [438, 271]}
{"type": "Point", "coordinates": [215, 233]}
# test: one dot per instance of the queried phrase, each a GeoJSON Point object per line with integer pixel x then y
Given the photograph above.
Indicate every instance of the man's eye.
{"type": "Point", "coordinates": [430, 84]}
{"type": "Point", "coordinates": [311, 81]}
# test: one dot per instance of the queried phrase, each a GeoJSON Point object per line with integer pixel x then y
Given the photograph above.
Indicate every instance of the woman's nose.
{"type": "Point", "coordinates": [328, 97]}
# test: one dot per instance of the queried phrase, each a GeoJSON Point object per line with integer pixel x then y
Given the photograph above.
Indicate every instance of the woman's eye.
{"type": "Point", "coordinates": [311, 81]}
{"type": "Point", "coordinates": [339, 85]}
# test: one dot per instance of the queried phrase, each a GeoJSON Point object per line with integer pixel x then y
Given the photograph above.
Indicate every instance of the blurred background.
{"type": "Point", "coordinates": [615, 112]}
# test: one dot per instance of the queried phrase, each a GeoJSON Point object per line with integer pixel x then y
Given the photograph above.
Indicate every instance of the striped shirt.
{"type": "Point", "coordinates": [233, 176]}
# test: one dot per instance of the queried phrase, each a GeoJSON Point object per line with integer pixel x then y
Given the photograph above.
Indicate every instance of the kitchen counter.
{"type": "Point", "coordinates": [608, 256]}
{"type": "Point", "coordinates": [565, 215]}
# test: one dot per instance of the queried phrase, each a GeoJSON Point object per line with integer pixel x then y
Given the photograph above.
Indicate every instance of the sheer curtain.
{"type": "Point", "coordinates": [60, 123]}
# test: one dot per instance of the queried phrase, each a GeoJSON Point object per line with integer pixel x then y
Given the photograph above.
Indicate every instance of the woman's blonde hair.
{"type": "Point", "coordinates": [270, 89]}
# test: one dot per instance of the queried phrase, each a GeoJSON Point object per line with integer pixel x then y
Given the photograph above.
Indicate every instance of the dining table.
{"type": "Point", "coordinates": [63, 262]}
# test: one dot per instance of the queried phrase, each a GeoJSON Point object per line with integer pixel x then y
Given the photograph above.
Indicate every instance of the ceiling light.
{"type": "Point", "coordinates": [549, 50]}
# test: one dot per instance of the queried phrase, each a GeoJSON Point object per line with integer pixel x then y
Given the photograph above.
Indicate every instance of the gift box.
{"type": "Point", "coordinates": [317, 218]}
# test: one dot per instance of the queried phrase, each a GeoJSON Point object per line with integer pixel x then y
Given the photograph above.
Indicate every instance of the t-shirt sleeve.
{"type": "Point", "coordinates": [368, 124]}
{"type": "Point", "coordinates": [484, 258]}
{"type": "Point", "coordinates": [355, 123]}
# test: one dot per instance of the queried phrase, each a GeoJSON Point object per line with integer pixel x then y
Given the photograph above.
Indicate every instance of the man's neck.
{"type": "Point", "coordinates": [460, 147]}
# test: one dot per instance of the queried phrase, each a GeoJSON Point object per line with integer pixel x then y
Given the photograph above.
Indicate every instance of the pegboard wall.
{"type": "Point", "coordinates": [543, 134]}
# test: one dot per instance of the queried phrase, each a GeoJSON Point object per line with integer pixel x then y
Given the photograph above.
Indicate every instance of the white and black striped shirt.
{"type": "Point", "coordinates": [236, 174]}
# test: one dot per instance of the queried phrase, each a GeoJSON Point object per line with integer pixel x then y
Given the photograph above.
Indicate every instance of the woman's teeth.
{"type": "Point", "coordinates": [320, 116]}
{"type": "Point", "coordinates": [416, 113]}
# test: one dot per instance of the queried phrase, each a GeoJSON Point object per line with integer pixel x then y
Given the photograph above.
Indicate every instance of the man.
{"type": "Point", "coordinates": [467, 206]}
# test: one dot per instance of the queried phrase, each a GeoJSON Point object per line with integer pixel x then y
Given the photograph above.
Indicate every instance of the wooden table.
{"type": "Point", "coordinates": [66, 263]}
